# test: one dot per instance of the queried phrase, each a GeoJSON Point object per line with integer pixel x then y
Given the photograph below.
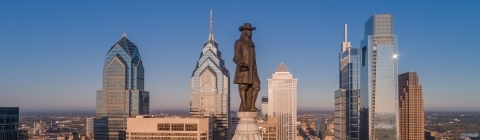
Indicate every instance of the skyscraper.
{"type": "Point", "coordinates": [264, 107]}
{"type": "Point", "coordinates": [282, 102]}
{"type": "Point", "coordinates": [346, 98]}
{"type": "Point", "coordinates": [9, 123]}
{"type": "Point", "coordinates": [210, 87]}
{"type": "Point", "coordinates": [411, 107]}
{"type": "Point", "coordinates": [321, 129]}
{"type": "Point", "coordinates": [378, 80]}
{"type": "Point", "coordinates": [122, 95]}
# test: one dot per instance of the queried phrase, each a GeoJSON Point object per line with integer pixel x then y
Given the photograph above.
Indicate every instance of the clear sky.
{"type": "Point", "coordinates": [52, 52]}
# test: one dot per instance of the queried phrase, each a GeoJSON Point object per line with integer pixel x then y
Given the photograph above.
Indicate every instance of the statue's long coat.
{"type": "Point", "coordinates": [245, 52]}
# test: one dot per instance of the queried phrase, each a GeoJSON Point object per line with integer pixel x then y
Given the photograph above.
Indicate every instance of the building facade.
{"type": "Point", "coordinates": [122, 95]}
{"type": "Point", "coordinates": [173, 128]}
{"type": "Point", "coordinates": [269, 129]}
{"type": "Point", "coordinates": [432, 135]}
{"type": "Point", "coordinates": [9, 123]}
{"type": "Point", "coordinates": [378, 80]}
{"type": "Point", "coordinates": [321, 128]}
{"type": "Point", "coordinates": [347, 96]}
{"type": "Point", "coordinates": [210, 87]}
{"type": "Point", "coordinates": [340, 118]}
{"type": "Point", "coordinates": [89, 127]}
{"type": "Point", "coordinates": [411, 107]}
{"type": "Point", "coordinates": [264, 107]}
{"type": "Point", "coordinates": [282, 102]}
{"type": "Point", "coordinates": [232, 124]}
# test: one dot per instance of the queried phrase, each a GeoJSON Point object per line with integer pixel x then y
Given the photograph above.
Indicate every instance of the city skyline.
{"type": "Point", "coordinates": [431, 45]}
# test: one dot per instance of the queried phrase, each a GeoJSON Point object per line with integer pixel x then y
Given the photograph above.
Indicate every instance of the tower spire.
{"type": "Point", "coordinates": [345, 43]}
{"type": "Point", "coordinates": [345, 33]}
{"type": "Point", "coordinates": [210, 37]}
{"type": "Point", "coordinates": [124, 34]}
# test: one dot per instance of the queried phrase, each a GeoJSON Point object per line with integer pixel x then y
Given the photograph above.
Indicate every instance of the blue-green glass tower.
{"type": "Point", "coordinates": [347, 97]}
{"type": "Point", "coordinates": [379, 80]}
{"type": "Point", "coordinates": [123, 92]}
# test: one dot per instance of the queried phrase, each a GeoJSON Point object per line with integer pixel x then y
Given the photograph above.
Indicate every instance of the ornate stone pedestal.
{"type": "Point", "coordinates": [247, 128]}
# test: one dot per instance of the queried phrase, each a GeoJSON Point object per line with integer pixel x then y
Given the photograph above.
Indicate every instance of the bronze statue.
{"type": "Point", "coordinates": [246, 75]}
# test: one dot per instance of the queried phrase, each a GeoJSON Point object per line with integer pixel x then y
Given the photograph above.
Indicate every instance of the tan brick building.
{"type": "Point", "coordinates": [411, 107]}
{"type": "Point", "coordinates": [172, 128]}
{"type": "Point", "coordinates": [269, 129]}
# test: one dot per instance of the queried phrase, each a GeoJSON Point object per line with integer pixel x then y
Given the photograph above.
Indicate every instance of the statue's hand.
{"type": "Point", "coordinates": [243, 67]}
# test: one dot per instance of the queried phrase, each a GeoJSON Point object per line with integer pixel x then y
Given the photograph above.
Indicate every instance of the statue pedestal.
{"type": "Point", "coordinates": [247, 128]}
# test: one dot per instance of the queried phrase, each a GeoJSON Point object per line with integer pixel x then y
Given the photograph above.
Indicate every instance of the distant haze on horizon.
{"type": "Point", "coordinates": [53, 51]}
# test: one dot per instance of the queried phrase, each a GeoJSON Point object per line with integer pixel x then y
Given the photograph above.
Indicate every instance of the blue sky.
{"type": "Point", "coordinates": [52, 52]}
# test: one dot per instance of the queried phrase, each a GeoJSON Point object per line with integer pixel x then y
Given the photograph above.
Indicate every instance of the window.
{"type": "Point", "coordinates": [364, 51]}
{"type": "Point", "coordinates": [163, 127]}
{"type": "Point", "coordinates": [177, 127]}
{"type": "Point", "coordinates": [191, 127]}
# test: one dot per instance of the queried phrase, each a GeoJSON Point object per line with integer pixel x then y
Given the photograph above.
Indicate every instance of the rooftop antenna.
{"type": "Point", "coordinates": [345, 33]}
{"type": "Point", "coordinates": [210, 37]}
{"type": "Point", "coordinates": [124, 34]}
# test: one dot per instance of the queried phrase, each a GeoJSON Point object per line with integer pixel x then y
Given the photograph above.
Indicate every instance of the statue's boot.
{"type": "Point", "coordinates": [253, 98]}
{"type": "Point", "coordinates": [243, 98]}
{"type": "Point", "coordinates": [241, 107]}
{"type": "Point", "coordinates": [248, 100]}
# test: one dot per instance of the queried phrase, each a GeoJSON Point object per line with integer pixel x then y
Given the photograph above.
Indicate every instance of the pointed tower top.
{"type": "Point", "coordinates": [124, 34]}
{"type": "Point", "coordinates": [210, 37]}
{"type": "Point", "coordinates": [282, 68]}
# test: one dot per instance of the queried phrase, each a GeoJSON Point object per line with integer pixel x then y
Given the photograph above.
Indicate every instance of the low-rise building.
{"type": "Point", "coordinates": [269, 128]}
{"type": "Point", "coordinates": [171, 128]}
{"type": "Point", "coordinates": [469, 136]}
{"type": "Point", "coordinates": [90, 127]}
{"type": "Point", "coordinates": [330, 137]}
{"type": "Point", "coordinates": [431, 135]}
{"type": "Point", "coordinates": [232, 126]}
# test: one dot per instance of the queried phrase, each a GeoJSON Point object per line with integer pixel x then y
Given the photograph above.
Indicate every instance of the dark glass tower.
{"type": "Point", "coordinates": [9, 123]}
{"type": "Point", "coordinates": [346, 98]}
{"type": "Point", "coordinates": [122, 95]}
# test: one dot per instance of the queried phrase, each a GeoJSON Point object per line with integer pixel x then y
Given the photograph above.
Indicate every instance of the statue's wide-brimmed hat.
{"type": "Point", "coordinates": [246, 26]}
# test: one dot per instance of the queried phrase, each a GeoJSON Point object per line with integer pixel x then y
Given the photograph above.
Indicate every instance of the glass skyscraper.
{"type": "Point", "coordinates": [378, 79]}
{"type": "Point", "coordinates": [346, 98]}
{"type": "Point", "coordinates": [9, 123]}
{"type": "Point", "coordinates": [321, 128]}
{"type": "Point", "coordinates": [210, 87]}
{"type": "Point", "coordinates": [123, 94]}
{"type": "Point", "coordinates": [282, 102]}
